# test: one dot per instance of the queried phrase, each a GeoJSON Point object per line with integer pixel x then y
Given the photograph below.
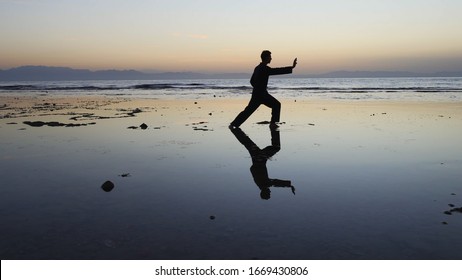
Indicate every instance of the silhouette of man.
{"type": "Point", "coordinates": [260, 95]}
{"type": "Point", "coordinates": [259, 159]}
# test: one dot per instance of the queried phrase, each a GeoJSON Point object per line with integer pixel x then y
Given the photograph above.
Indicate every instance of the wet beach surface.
{"type": "Point", "coordinates": [118, 178]}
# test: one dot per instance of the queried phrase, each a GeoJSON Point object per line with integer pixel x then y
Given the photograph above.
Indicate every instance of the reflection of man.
{"type": "Point", "coordinates": [259, 159]}
{"type": "Point", "coordinates": [260, 93]}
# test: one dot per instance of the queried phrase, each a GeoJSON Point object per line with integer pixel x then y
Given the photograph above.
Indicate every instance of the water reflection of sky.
{"type": "Point", "coordinates": [365, 189]}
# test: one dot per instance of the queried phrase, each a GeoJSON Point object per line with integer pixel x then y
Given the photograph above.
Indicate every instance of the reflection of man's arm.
{"type": "Point", "coordinates": [282, 184]}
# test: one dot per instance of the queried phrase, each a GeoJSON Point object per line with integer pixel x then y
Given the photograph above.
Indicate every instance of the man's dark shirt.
{"type": "Point", "coordinates": [260, 76]}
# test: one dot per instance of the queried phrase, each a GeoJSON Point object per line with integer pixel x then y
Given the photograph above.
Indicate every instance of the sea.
{"type": "Point", "coordinates": [393, 89]}
{"type": "Point", "coordinates": [348, 183]}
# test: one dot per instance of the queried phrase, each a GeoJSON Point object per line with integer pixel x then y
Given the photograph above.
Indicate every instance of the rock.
{"type": "Point", "coordinates": [212, 217]}
{"type": "Point", "coordinates": [107, 186]}
{"type": "Point", "coordinates": [447, 212]}
{"type": "Point", "coordinates": [55, 124]}
{"type": "Point", "coordinates": [132, 113]}
{"type": "Point", "coordinates": [35, 124]}
{"type": "Point", "coordinates": [143, 126]}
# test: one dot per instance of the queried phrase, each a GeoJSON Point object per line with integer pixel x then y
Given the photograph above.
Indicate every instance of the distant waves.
{"type": "Point", "coordinates": [441, 89]}
{"type": "Point", "coordinates": [199, 86]}
{"type": "Point", "coordinates": [153, 86]}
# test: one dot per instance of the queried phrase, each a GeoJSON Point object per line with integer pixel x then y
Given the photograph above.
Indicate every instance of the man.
{"type": "Point", "coordinates": [260, 95]}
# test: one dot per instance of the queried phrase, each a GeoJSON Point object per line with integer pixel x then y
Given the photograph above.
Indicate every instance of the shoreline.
{"type": "Point", "coordinates": [57, 103]}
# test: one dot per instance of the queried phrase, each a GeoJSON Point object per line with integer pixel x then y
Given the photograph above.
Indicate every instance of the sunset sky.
{"type": "Point", "coordinates": [228, 36]}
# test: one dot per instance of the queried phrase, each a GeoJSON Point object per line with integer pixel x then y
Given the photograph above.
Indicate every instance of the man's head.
{"type": "Point", "coordinates": [266, 56]}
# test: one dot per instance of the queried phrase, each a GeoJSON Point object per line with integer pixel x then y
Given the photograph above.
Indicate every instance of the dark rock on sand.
{"type": "Point", "coordinates": [143, 126]}
{"type": "Point", "coordinates": [35, 124]}
{"type": "Point", "coordinates": [202, 128]}
{"type": "Point", "coordinates": [55, 124]}
{"type": "Point", "coordinates": [136, 111]}
{"type": "Point", "coordinates": [107, 186]}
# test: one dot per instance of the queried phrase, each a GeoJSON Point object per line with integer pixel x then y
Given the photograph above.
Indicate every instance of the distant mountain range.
{"type": "Point", "coordinates": [46, 73]}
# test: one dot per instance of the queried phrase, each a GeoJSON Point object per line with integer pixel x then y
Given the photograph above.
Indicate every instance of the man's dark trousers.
{"type": "Point", "coordinates": [259, 98]}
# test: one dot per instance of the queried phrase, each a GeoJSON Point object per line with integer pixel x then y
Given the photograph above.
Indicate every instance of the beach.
{"type": "Point", "coordinates": [97, 177]}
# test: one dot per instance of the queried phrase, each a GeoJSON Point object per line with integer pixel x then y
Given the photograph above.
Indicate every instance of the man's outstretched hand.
{"type": "Point", "coordinates": [295, 63]}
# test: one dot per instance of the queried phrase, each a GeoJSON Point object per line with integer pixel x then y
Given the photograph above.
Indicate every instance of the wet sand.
{"type": "Point", "coordinates": [118, 178]}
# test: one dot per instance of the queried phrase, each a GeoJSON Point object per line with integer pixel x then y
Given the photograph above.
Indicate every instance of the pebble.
{"type": "Point", "coordinates": [107, 186]}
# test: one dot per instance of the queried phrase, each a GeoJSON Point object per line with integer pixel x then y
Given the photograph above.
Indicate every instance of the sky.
{"type": "Point", "coordinates": [214, 36]}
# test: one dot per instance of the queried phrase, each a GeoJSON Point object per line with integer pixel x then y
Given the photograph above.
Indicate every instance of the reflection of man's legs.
{"type": "Point", "coordinates": [275, 138]}
{"type": "Point", "coordinates": [275, 105]}
{"type": "Point", "coordinates": [253, 105]}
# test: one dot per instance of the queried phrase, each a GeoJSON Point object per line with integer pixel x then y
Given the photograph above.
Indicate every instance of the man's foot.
{"type": "Point", "coordinates": [273, 125]}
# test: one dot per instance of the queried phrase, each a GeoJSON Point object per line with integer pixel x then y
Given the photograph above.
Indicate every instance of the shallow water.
{"type": "Point", "coordinates": [368, 185]}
